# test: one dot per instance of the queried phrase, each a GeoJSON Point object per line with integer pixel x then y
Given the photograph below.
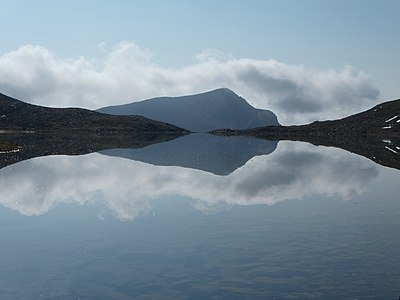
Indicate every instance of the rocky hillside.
{"type": "Point", "coordinates": [16, 115]}
{"type": "Point", "coordinates": [204, 112]}
{"type": "Point", "coordinates": [381, 120]}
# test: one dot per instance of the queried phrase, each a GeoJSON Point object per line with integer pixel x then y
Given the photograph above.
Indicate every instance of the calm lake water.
{"type": "Point", "coordinates": [293, 222]}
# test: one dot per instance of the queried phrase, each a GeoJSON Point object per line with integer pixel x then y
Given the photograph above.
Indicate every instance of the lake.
{"type": "Point", "coordinates": [201, 217]}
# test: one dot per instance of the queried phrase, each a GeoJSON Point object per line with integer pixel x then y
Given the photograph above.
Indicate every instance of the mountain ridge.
{"type": "Point", "coordinates": [17, 115]}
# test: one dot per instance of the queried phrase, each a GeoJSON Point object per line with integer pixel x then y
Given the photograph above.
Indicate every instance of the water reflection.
{"type": "Point", "coordinates": [30, 145]}
{"type": "Point", "coordinates": [218, 155]}
{"type": "Point", "coordinates": [127, 187]}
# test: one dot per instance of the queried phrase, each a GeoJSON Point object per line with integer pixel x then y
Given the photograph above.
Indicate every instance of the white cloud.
{"type": "Point", "coordinates": [128, 73]}
{"type": "Point", "coordinates": [126, 188]}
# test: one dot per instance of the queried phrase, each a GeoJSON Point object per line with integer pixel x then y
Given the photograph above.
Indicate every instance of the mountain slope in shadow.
{"type": "Point", "coordinates": [204, 112]}
{"type": "Point", "coordinates": [202, 151]}
{"type": "Point", "coordinates": [16, 115]}
{"type": "Point", "coordinates": [374, 133]}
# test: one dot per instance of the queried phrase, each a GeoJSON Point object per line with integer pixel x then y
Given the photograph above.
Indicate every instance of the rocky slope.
{"type": "Point", "coordinates": [381, 120]}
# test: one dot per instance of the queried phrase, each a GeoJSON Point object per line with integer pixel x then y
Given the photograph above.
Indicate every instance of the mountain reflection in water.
{"type": "Point", "coordinates": [293, 171]}
{"type": "Point", "coordinates": [202, 151]}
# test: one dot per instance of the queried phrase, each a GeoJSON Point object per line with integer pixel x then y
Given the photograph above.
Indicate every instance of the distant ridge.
{"type": "Point", "coordinates": [220, 108]}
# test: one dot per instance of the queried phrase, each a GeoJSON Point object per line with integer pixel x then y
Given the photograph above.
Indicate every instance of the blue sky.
{"type": "Point", "coordinates": [334, 57]}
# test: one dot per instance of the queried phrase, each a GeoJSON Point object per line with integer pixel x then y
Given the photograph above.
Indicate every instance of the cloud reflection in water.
{"type": "Point", "coordinates": [293, 171]}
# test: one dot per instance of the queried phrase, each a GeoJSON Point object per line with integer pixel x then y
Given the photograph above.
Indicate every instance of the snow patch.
{"type": "Point", "coordinates": [391, 119]}
{"type": "Point", "coordinates": [387, 127]}
{"type": "Point", "coordinates": [11, 151]}
{"type": "Point", "coordinates": [387, 141]}
{"type": "Point", "coordinates": [390, 149]}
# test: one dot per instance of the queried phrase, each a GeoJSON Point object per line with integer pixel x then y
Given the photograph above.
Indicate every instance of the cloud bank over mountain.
{"type": "Point", "coordinates": [128, 73]}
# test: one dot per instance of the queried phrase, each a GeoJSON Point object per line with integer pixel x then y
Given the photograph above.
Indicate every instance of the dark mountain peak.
{"type": "Point", "coordinates": [222, 91]}
{"type": "Point", "coordinates": [220, 108]}
{"type": "Point", "coordinates": [215, 97]}
{"type": "Point", "coordinates": [221, 95]}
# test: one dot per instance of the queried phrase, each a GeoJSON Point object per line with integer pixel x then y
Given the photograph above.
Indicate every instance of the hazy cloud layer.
{"type": "Point", "coordinates": [126, 188]}
{"type": "Point", "coordinates": [127, 73]}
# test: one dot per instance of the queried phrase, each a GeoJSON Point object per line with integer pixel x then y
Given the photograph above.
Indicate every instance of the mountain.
{"type": "Point", "coordinates": [201, 151]}
{"type": "Point", "coordinates": [374, 133]}
{"type": "Point", "coordinates": [204, 112]}
{"type": "Point", "coordinates": [16, 115]}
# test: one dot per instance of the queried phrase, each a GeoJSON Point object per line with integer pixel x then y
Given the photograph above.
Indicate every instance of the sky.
{"type": "Point", "coordinates": [305, 60]}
